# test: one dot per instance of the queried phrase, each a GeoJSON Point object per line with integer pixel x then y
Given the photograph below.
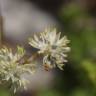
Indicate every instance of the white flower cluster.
{"type": "Point", "coordinates": [49, 44]}
{"type": "Point", "coordinates": [11, 70]}
{"type": "Point", "coordinates": [53, 48]}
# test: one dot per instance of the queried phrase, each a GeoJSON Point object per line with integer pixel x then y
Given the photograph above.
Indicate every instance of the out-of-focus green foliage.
{"type": "Point", "coordinates": [79, 26]}
{"type": "Point", "coordinates": [4, 92]}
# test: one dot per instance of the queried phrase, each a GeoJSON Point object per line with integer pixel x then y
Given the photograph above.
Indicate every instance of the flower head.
{"type": "Point", "coordinates": [11, 70]}
{"type": "Point", "coordinates": [52, 47]}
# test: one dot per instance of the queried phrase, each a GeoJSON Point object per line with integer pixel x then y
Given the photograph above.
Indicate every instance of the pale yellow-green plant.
{"type": "Point", "coordinates": [13, 65]}
{"type": "Point", "coordinates": [11, 69]}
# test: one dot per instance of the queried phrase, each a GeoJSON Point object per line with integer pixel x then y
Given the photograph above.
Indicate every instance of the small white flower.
{"type": "Point", "coordinates": [11, 70]}
{"type": "Point", "coordinates": [52, 47]}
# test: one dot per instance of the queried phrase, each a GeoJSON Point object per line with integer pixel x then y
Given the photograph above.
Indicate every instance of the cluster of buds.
{"type": "Point", "coordinates": [49, 44]}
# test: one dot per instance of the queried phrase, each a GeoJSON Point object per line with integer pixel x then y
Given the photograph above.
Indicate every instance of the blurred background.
{"type": "Point", "coordinates": [74, 18]}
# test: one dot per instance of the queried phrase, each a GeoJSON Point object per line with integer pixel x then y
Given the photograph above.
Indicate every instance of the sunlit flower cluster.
{"type": "Point", "coordinates": [53, 48]}
{"type": "Point", "coordinates": [11, 70]}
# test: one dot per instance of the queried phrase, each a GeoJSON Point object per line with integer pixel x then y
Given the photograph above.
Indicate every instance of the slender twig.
{"type": "Point", "coordinates": [33, 57]}
{"type": "Point", "coordinates": [27, 60]}
{"type": "Point", "coordinates": [1, 28]}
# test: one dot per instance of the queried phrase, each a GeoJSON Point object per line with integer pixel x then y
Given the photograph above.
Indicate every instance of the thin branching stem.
{"type": "Point", "coordinates": [26, 60]}
{"type": "Point", "coordinates": [1, 28]}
